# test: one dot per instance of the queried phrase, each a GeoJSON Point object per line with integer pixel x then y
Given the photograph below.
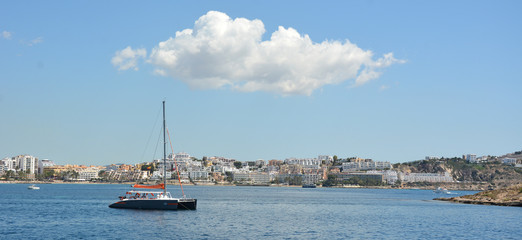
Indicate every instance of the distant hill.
{"type": "Point", "coordinates": [517, 155]}
{"type": "Point", "coordinates": [493, 173]}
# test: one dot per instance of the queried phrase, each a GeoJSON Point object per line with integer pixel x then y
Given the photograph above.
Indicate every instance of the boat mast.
{"type": "Point", "coordinates": [164, 155]}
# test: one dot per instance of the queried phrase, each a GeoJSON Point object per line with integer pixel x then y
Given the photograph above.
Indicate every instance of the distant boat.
{"type": "Point", "coordinates": [155, 200]}
{"type": "Point", "coordinates": [309, 186]}
{"type": "Point", "coordinates": [441, 190]}
{"type": "Point", "coordinates": [33, 187]}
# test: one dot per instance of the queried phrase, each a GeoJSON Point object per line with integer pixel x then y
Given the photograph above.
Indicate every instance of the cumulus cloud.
{"type": "Point", "coordinates": [220, 52]}
{"type": "Point", "coordinates": [6, 35]}
{"type": "Point", "coordinates": [128, 58]}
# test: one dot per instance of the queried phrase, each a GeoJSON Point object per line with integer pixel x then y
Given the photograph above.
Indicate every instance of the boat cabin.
{"type": "Point", "coordinates": [133, 194]}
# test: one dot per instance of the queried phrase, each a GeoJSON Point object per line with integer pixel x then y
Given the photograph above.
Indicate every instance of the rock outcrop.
{"type": "Point", "coordinates": [510, 196]}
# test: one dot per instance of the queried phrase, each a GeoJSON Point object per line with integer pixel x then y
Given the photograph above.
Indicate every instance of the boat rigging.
{"type": "Point", "coordinates": [156, 200]}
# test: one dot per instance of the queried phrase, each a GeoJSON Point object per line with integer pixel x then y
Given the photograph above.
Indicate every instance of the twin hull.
{"type": "Point", "coordinates": [157, 204]}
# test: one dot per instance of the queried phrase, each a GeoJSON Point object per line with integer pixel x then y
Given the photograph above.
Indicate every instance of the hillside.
{"type": "Point", "coordinates": [491, 174]}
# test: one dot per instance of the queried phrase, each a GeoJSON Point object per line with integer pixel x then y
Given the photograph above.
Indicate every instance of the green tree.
{"type": "Point", "coordinates": [75, 174]}
{"type": "Point", "coordinates": [296, 180]}
{"type": "Point", "coordinates": [151, 168]}
{"type": "Point", "coordinates": [9, 174]}
{"type": "Point", "coordinates": [398, 182]}
{"type": "Point", "coordinates": [62, 174]}
{"type": "Point", "coordinates": [48, 174]}
{"type": "Point", "coordinates": [22, 175]}
{"type": "Point", "coordinates": [331, 181]}
{"type": "Point", "coordinates": [276, 180]}
{"type": "Point", "coordinates": [70, 174]}
{"type": "Point", "coordinates": [238, 164]}
{"type": "Point", "coordinates": [229, 177]}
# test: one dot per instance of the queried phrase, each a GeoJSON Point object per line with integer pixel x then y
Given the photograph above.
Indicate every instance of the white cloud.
{"type": "Point", "coordinates": [371, 68]}
{"type": "Point", "coordinates": [220, 52]}
{"type": "Point", "coordinates": [7, 35]}
{"type": "Point", "coordinates": [35, 41]}
{"type": "Point", "coordinates": [128, 58]}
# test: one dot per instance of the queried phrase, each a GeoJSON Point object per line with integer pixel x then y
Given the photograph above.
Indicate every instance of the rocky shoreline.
{"type": "Point", "coordinates": [510, 196]}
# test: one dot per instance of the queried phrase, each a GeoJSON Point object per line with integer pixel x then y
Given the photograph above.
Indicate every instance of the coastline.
{"type": "Point", "coordinates": [480, 202]}
{"type": "Point", "coordinates": [509, 196]}
{"type": "Point", "coordinates": [454, 187]}
{"type": "Point", "coordinates": [122, 183]}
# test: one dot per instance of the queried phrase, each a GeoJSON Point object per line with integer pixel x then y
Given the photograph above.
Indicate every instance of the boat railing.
{"type": "Point", "coordinates": [133, 194]}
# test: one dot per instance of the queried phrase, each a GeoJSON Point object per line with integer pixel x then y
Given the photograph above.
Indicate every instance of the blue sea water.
{"type": "Point", "coordinates": [80, 211]}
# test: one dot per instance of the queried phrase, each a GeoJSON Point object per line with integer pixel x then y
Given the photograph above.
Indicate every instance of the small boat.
{"type": "Point", "coordinates": [155, 200]}
{"type": "Point", "coordinates": [441, 190]}
{"type": "Point", "coordinates": [33, 187]}
{"type": "Point", "coordinates": [309, 186]}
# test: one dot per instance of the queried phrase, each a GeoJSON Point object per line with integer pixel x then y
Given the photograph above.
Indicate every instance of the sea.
{"type": "Point", "coordinates": [80, 211]}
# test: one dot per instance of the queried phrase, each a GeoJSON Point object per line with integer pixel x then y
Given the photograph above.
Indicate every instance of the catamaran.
{"type": "Point", "coordinates": [156, 199]}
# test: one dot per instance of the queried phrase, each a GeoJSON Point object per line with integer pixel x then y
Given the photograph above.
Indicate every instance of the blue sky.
{"type": "Point", "coordinates": [388, 80]}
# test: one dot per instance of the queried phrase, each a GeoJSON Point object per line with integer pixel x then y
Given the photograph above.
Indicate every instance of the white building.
{"type": "Point", "coordinates": [326, 158]}
{"type": "Point", "coordinates": [198, 175]}
{"type": "Point", "coordinates": [182, 156]}
{"type": "Point", "coordinates": [425, 177]}
{"type": "Point", "coordinates": [3, 169]}
{"type": "Point", "coordinates": [42, 164]}
{"type": "Point", "coordinates": [251, 177]}
{"type": "Point", "coordinates": [8, 163]}
{"type": "Point", "coordinates": [389, 176]}
{"type": "Point", "coordinates": [241, 176]}
{"type": "Point", "coordinates": [311, 178]}
{"type": "Point", "coordinates": [260, 177]}
{"type": "Point", "coordinates": [260, 163]}
{"type": "Point", "coordinates": [156, 175]}
{"type": "Point", "coordinates": [112, 167]}
{"type": "Point", "coordinates": [223, 168]}
{"type": "Point", "coordinates": [171, 165]}
{"type": "Point", "coordinates": [26, 163]}
{"type": "Point", "coordinates": [182, 160]}
{"type": "Point", "coordinates": [305, 162]}
{"type": "Point", "coordinates": [371, 165]}
{"type": "Point", "coordinates": [472, 158]}
{"type": "Point", "coordinates": [88, 173]}
{"type": "Point", "coordinates": [509, 161]}
{"type": "Point", "coordinates": [221, 160]}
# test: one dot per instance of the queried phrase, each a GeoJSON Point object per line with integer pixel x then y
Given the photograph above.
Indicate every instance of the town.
{"type": "Point", "coordinates": [323, 170]}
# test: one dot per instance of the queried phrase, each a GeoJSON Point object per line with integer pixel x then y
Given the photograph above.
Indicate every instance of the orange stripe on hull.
{"type": "Point", "coordinates": [172, 203]}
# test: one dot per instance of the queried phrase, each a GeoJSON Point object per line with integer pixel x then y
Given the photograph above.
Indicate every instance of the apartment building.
{"type": "Point", "coordinates": [369, 165]}
{"type": "Point", "coordinates": [425, 177]}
